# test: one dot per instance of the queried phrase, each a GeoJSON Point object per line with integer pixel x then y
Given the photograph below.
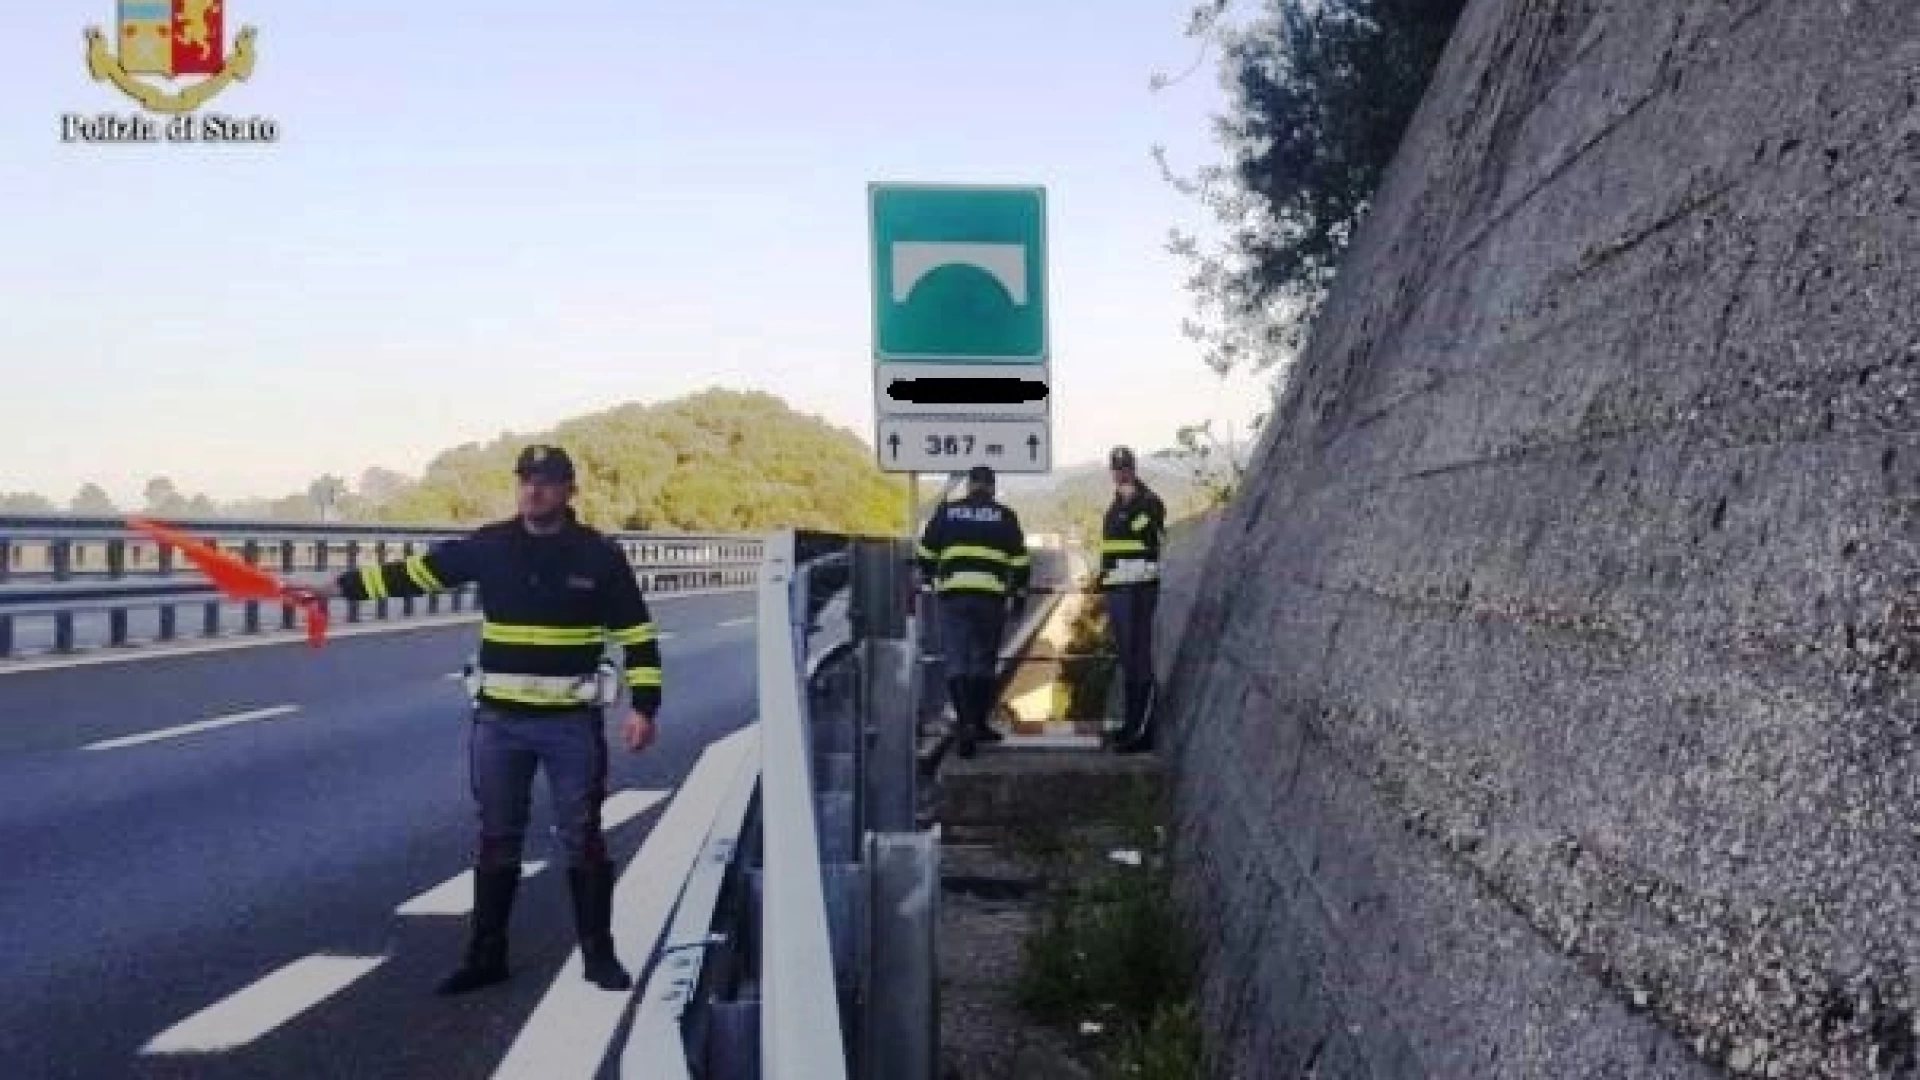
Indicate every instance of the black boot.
{"type": "Point", "coordinates": [486, 959]}
{"type": "Point", "coordinates": [982, 702]}
{"type": "Point", "coordinates": [1137, 736]}
{"type": "Point", "coordinates": [960, 691]}
{"type": "Point", "coordinates": [1129, 716]}
{"type": "Point", "coordinates": [592, 887]}
{"type": "Point", "coordinates": [957, 693]}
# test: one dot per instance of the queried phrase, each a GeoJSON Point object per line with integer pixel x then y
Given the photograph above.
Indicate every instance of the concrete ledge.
{"type": "Point", "coordinates": [1046, 787]}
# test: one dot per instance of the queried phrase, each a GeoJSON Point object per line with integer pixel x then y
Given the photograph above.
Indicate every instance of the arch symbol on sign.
{"type": "Point", "coordinates": [913, 260]}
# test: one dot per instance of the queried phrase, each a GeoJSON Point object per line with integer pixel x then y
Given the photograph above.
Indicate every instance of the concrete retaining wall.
{"type": "Point", "coordinates": [1548, 705]}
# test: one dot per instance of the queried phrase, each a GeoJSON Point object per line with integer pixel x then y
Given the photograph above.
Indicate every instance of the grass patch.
{"type": "Point", "coordinates": [1110, 949]}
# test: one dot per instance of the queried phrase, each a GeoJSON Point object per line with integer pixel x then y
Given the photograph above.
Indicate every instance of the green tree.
{"type": "Point", "coordinates": [324, 494]}
{"type": "Point", "coordinates": [719, 460]}
{"type": "Point", "coordinates": [378, 485]}
{"type": "Point", "coordinates": [164, 498]}
{"type": "Point", "coordinates": [92, 499]}
{"type": "Point", "coordinates": [25, 502]}
{"type": "Point", "coordinates": [1319, 97]}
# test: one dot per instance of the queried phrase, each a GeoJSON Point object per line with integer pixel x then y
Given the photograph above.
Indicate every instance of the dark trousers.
{"type": "Point", "coordinates": [1130, 611]}
{"type": "Point", "coordinates": [506, 749]}
{"type": "Point", "coordinates": [970, 628]}
{"type": "Point", "coordinates": [971, 625]}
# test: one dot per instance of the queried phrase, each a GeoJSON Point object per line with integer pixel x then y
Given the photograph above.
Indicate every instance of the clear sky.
{"type": "Point", "coordinates": [486, 219]}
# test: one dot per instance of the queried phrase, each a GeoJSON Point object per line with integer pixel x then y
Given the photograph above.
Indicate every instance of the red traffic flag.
{"type": "Point", "coordinates": [239, 579]}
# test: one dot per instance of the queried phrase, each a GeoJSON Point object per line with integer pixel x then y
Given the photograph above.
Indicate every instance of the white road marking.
{"type": "Point", "coordinates": [267, 1004]}
{"type": "Point", "coordinates": [623, 806]}
{"type": "Point", "coordinates": [152, 651]}
{"type": "Point", "coordinates": [654, 1042]}
{"type": "Point", "coordinates": [742, 621]}
{"type": "Point", "coordinates": [455, 895]}
{"type": "Point", "coordinates": [193, 728]}
{"type": "Point", "coordinates": [569, 1031]}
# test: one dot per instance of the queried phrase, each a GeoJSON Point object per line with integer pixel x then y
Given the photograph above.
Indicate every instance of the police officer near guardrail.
{"type": "Point", "coordinates": [973, 551]}
{"type": "Point", "coordinates": [553, 592]}
{"type": "Point", "coordinates": [1130, 538]}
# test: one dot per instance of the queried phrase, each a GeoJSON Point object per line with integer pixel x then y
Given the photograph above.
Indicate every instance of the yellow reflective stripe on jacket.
{"type": "Point", "coordinates": [635, 635]}
{"type": "Point", "coordinates": [972, 581]}
{"type": "Point", "coordinates": [1140, 521]}
{"type": "Point", "coordinates": [643, 676]}
{"type": "Point", "coordinates": [975, 551]}
{"type": "Point", "coordinates": [1123, 547]}
{"type": "Point", "coordinates": [422, 574]}
{"type": "Point", "coordinates": [507, 634]}
{"type": "Point", "coordinates": [373, 582]}
{"type": "Point", "coordinates": [924, 552]}
{"type": "Point", "coordinates": [1020, 560]}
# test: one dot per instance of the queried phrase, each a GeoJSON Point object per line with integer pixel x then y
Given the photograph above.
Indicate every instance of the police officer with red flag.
{"type": "Point", "coordinates": [554, 594]}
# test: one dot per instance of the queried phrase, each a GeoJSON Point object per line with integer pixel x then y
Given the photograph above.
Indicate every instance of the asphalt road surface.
{"type": "Point", "coordinates": [247, 863]}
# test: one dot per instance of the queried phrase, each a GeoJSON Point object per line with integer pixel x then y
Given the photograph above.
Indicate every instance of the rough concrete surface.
{"type": "Point", "coordinates": [988, 906]}
{"type": "Point", "coordinates": [1547, 705]}
{"type": "Point", "coordinates": [1007, 787]}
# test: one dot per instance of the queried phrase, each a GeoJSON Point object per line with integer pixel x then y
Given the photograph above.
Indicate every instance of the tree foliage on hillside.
{"type": "Point", "coordinates": [1079, 498]}
{"type": "Point", "coordinates": [25, 502]}
{"type": "Point", "coordinates": [720, 460]}
{"type": "Point", "coordinates": [1319, 94]}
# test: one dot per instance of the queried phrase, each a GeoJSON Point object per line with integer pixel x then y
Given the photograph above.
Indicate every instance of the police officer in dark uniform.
{"type": "Point", "coordinates": [974, 552]}
{"type": "Point", "coordinates": [554, 593]}
{"type": "Point", "coordinates": [1130, 538]}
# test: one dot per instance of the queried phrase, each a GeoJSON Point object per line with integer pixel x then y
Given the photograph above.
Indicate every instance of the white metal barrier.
{"type": "Point", "coordinates": [800, 1025]}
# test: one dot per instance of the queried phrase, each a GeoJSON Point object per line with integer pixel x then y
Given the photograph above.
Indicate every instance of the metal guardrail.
{"type": "Point", "coordinates": [69, 582]}
{"type": "Point", "coordinates": [800, 1023]}
{"type": "Point", "coordinates": [802, 947]}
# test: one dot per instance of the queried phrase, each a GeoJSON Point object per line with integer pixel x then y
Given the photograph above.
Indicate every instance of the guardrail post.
{"type": "Point", "coordinates": [289, 563]}
{"type": "Point", "coordinates": [353, 563]}
{"type": "Point", "coordinates": [60, 552]}
{"type": "Point", "coordinates": [169, 613]}
{"type": "Point", "coordinates": [210, 623]}
{"type": "Point", "coordinates": [406, 602]}
{"type": "Point", "coordinates": [116, 570]}
{"type": "Point", "coordinates": [380, 556]}
{"type": "Point", "coordinates": [6, 571]}
{"type": "Point", "coordinates": [889, 728]}
{"type": "Point", "coordinates": [902, 1016]}
{"type": "Point", "coordinates": [250, 551]}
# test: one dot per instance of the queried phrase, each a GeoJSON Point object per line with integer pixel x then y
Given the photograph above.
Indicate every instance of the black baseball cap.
{"type": "Point", "coordinates": [980, 474]}
{"type": "Point", "coordinates": [1120, 458]}
{"type": "Point", "coordinates": [543, 462]}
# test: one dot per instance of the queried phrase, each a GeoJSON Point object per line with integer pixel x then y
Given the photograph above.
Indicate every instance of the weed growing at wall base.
{"type": "Point", "coordinates": [1110, 951]}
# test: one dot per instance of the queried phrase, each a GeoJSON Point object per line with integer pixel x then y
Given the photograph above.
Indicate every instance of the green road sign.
{"type": "Point", "coordinates": [959, 273]}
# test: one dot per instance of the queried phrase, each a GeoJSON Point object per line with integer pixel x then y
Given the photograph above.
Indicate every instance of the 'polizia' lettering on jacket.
{"type": "Point", "coordinates": [975, 545]}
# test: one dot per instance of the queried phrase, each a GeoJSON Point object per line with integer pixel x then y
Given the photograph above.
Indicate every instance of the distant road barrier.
{"type": "Point", "coordinates": [70, 582]}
